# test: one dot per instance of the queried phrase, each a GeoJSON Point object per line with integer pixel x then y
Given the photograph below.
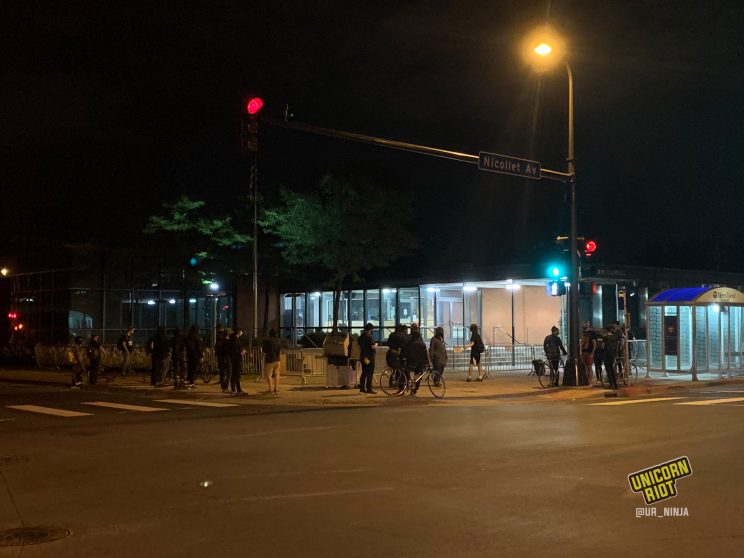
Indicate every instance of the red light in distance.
{"type": "Point", "coordinates": [590, 247]}
{"type": "Point", "coordinates": [254, 105]}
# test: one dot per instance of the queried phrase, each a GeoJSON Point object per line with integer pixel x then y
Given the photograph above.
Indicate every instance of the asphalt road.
{"type": "Point", "coordinates": [522, 477]}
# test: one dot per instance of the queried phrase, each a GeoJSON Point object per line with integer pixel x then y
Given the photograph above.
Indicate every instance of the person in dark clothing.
{"type": "Point", "coordinates": [194, 352]}
{"type": "Point", "coordinates": [271, 350]}
{"type": "Point", "coordinates": [396, 341]}
{"type": "Point", "coordinates": [599, 353]}
{"type": "Point", "coordinates": [161, 357]}
{"type": "Point", "coordinates": [476, 349]}
{"type": "Point", "coordinates": [611, 349]}
{"type": "Point", "coordinates": [438, 354]}
{"type": "Point", "coordinates": [588, 346]}
{"type": "Point", "coordinates": [219, 350]}
{"type": "Point", "coordinates": [367, 356]}
{"type": "Point", "coordinates": [553, 347]}
{"type": "Point", "coordinates": [178, 358]}
{"type": "Point", "coordinates": [93, 352]}
{"type": "Point", "coordinates": [234, 348]}
{"type": "Point", "coordinates": [418, 357]}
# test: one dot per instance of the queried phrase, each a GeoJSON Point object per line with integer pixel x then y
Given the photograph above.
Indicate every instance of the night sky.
{"type": "Point", "coordinates": [110, 109]}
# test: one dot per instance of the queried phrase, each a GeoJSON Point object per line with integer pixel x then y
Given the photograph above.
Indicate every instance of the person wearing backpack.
{"type": "Point", "coordinates": [553, 347]}
{"type": "Point", "coordinates": [476, 349]}
{"type": "Point", "coordinates": [93, 352]}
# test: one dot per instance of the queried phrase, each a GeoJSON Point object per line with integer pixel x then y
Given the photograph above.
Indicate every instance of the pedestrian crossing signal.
{"type": "Point", "coordinates": [556, 288]}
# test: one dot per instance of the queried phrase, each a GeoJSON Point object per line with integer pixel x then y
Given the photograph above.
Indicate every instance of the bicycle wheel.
{"type": "Point", "coordinates": [633, 376]}
{"type": "Point", "coordinates": [437, 386]}
{"type": "Point", "coordinates": [393, 382]}
{"type": "Point", "coordinates": [543, 374]}
{"type": "Point", "coordinates": [620, 375]}
{"type": "Point", "coordinates": [206, 374]}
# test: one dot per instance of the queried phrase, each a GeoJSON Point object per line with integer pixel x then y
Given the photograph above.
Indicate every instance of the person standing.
{"type": "Point", "coordinates": [219, 350]}
{"type": "Point", "coordinates": [588, 346]}
{"type": "Point", "coordinates": [126, 346]}
{"type": "Point", "coordinates": [417, 357]}
{"type": "Point", "coordinates": [235, 352]}
{"type": "Point", "coordinates": [194, 352]}
{"type": "Point", "coordinates": [160, 356]}
{"type": "Point", "coordinates": [94, 358]}
{"type": "Point", "coordinates": [476, 349]}
{"type": "Point", "coordinates": [553, 347]}
{"type": "Point", "coordinates": [78, 363]}
{"type": "Point", "coordinates": [178, 358]}
{"type": "Point", "coordinates": [367, 356]}
{"type": "Point", "coordinates": [438, 354]}
{"type": "Point", "coordinates": [611, 349]}
{"type": "Point", "coordinates": [599, 354]}
{"type": "Point", "coordinates": [271, 350]}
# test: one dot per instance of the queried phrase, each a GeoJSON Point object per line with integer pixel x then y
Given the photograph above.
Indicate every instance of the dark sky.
{"type": "Point", "coordinates": [109, 109]}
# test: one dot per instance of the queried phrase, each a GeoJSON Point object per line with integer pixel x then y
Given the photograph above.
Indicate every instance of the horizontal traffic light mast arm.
{"type": "Point", "coordinates": [395, 144]}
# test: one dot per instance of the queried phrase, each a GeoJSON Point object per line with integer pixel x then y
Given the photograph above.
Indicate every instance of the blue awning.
{"type": "Point", "coordinates": [699, 296]}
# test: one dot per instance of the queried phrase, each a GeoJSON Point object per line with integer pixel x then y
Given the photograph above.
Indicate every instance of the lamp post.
{"type": "Point", "coordinates": [542, 49]}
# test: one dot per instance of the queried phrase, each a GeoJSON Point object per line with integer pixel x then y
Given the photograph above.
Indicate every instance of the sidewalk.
{"type": "Point", "coordinates": [503, 385]}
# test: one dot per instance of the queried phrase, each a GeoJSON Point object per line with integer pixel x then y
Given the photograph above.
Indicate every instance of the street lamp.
{"type": "Point", "coordinates": [543, 49]}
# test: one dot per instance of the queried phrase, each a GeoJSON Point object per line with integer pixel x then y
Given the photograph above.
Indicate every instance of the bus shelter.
{"type": "Point", "coordinates": [695, 330]}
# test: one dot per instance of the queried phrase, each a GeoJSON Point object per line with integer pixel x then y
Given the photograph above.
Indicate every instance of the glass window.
{"type": "Point", "coordinates": [428, 311]}
{"type": "Point", "coordinates": [373, 314]}
{"type": "Point", "coordinates": [472, 310]}
{"type": "Point", "coordinates": [285, 316]}
{"type": "Point", "coordinates": [735, 336]}
{"type": "Point", "coordinates": [388, 311]}
{"type": "Point", "coordinates": [655, 335]}
{"type": "Point", "coordinates": [312, 311]}
{"type": "Point", "coordinates": [685, 337]}
{"type": "Point", "coordinates": [408, 305]}
{"type": "Point", "coordinates": [450, 315]}
{"type": "Point", "coordinates": [714, 338]}
{"type": "Point", "coordinates": [671, 338]}
{"type": "Point", "coordinates": [701, 345]}
{"type": "Point", "coordinates": [356, 311]}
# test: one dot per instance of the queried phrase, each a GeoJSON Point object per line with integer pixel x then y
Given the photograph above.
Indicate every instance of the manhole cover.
{"type": "Point", "coordinates": [23, 536]}
{"type": "Point", "coordinates": [11, 459]}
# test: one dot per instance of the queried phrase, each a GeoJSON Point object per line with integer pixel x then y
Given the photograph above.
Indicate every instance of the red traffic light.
{"type": "Point", "coordinates": [589, 248]}
{"type": "Point", "coordinates": [253, 106]}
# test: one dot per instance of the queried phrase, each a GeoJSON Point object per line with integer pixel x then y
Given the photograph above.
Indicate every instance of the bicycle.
{"type": "Point", "coordinates": [395, 381]}
{"type": "Point", "coordinates": [546, 375]}
{"type": "Point", "coordinates": [620, 375]}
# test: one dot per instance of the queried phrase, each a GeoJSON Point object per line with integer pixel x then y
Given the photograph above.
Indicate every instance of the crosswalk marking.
{"type": "Point", "coordinates": [197, 403]}
{"type": "Point", "coordinates": [632, 401]}
{"type": "Point", "coordinates": [48, 411]}
{"type": "Point", "coordinates": [125, 407]}
{"type": "Point", "coordinates": [712, 401]}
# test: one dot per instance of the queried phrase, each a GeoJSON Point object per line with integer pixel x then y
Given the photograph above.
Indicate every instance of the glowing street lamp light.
{"type": "Point", "coordinates": [543, 49]}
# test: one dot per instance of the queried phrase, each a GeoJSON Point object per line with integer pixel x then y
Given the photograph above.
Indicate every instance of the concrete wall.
{"type": "Point", "coordinates": [534, 314]}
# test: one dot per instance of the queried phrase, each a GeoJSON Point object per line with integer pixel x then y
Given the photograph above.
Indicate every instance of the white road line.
{"type": "Point", "coordinates": [198, 403]}
{"type": "Point", "coordinates": [712, 401]}
{"type": "Point", "coordinates": [125, 407]}
{"type": "Point", "coordinates": [49, 411]}
{"type": "Point", "coordinates": [632, 401]}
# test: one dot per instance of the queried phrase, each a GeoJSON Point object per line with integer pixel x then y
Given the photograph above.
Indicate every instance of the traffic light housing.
{"type": "Point", "coordinates": [249, 125]}
{"type": "Point", "coordinates": [589, 247]}
{"type": "Point", "coordinates": [556, 288]}
{"type": "Point", "coordinates": [556, 271]}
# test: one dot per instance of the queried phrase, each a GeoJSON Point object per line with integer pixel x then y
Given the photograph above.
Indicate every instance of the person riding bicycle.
{"type": "Point", "coordinates": [553, 347]}
{"type": "Point", "coordinates": [418, 357]}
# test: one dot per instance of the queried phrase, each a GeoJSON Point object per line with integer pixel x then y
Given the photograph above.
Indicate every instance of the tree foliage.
{"type": "Point", "coordinates": [183, 216]}
{"type": "Point", "coordinates": [345, 227]}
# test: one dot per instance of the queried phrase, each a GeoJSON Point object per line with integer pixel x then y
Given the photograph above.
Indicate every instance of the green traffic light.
{"type": "Point", "coordinates": [555, 271]}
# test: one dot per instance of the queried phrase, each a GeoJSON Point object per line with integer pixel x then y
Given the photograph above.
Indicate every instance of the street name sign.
{"type": "Point", "coordinates": [503, 164]}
